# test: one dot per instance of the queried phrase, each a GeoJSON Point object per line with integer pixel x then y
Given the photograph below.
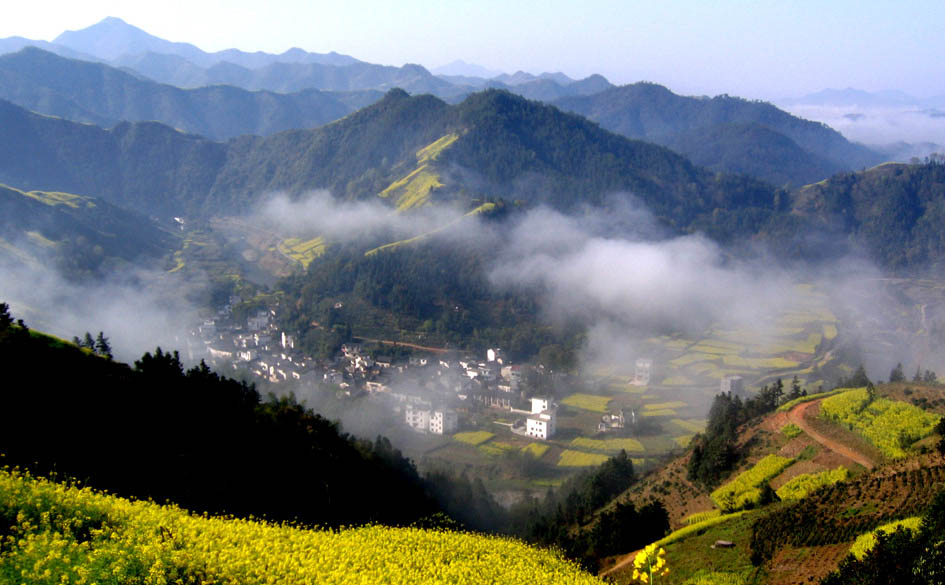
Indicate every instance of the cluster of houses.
{"type": "Point", "coordinates": [426, 393]}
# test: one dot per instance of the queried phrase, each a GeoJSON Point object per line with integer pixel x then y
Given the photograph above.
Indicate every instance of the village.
{"type": "Point", "coordinates": [432, 393]}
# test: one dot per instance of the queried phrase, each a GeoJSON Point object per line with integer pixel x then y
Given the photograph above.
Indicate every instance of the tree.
{"type": "Point", "coordinates": [930, 377]}
{"type": "Point", "coordinates": [88, 342]}
{"type": "Point", "coordinates": [896, 375]}
{"type": "Point", "coordinates": [5, 319]}
{"type": "Point", "coordinates": [795, 389]}
{"type": "Point", "coordinates": [102, 347]}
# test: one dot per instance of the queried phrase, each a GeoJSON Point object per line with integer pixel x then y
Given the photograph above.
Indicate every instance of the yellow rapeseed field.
{"type": "Point", "coordinates": [61, 534]}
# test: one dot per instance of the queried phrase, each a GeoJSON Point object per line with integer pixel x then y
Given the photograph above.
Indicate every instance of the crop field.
{"type": "Point", "coordinates": [608, 445]}
{"type": "Point", "coordinates": [691, 425]}
{"type": "Point", "coordinates": [801, 485]}
{"type": "Point", "coordinates": [71, 535]}
{"type": "Point", "coordinates": [588, 402]}
{"type": "Point", "coordinates": [683, 441]}
{"type": "Point", "coordinates": [864, 543]}
{"type": "Point", "coordinates": [536, 450]}
{"type": "Point", "coordinates": [745, 490]}
{"type": "Point", "coordinates": [664, 405]}
{"type": "Point", "coordinates": [702, 516]}
{"type": "Point", "coordinates": [572, 458]}
{"type": "Point", "coordinates": [890, 425]}
{"type": "Point", "coordinates": [473, 437]}
{"type": "Point", "coordinates": [303, 251]}
{"type": "Point", "coordinates": [659, 412]}
{"type": "Point", "coordinates": [496, 448]}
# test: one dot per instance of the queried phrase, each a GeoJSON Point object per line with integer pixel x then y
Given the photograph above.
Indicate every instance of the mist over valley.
{"type": "Point", "coordinates": [591, 316]}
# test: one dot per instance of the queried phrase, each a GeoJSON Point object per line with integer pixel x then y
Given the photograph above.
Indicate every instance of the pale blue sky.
{"type": "Point", "coordinates": [766, 49]}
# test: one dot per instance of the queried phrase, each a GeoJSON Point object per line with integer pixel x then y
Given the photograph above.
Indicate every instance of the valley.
{"type": "Point", "coordinates": [472, 326]}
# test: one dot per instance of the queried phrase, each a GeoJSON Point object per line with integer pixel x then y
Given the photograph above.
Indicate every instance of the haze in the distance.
{"type": "Point", "coordinates": [765, 50]}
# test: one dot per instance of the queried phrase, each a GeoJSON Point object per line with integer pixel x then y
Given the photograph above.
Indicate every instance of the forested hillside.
{"type": "Point", "coordinates": [895, 211]}
{"type": "Point", "coordinates": [651, 112]}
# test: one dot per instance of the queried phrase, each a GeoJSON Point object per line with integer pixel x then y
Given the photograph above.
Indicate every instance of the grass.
{"type": "Point", "coordinates": [608, 445]}
{"type": "Point", "coordinates": [572, 458]}
{"type": "Point", "coordinates": [698, 527]}
{"type": "Point", "coordinates": [588, 402]}
{"type": "Point", "coordinates": [473, 437]}
{"type": "Point", "coordinates": [57, 198]}
{"type": "Point", "coordinates": [809, 398]}
{"type": "Point", "coordinates": [791, 430]}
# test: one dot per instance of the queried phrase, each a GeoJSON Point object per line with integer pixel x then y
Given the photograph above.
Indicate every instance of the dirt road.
{"type": "Point", "coordinates": [797, 415]}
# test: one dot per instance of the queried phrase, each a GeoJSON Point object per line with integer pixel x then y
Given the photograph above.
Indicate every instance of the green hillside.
{"type": "Point", "coordinates": [80, 235]}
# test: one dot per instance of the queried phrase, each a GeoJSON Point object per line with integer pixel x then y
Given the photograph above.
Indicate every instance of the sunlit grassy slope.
{"type": "Point", "coordinates": [68, 535]}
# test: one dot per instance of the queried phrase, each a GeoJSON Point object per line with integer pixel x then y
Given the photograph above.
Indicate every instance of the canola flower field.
{"type": "Point", "coordinates": [803, 484]}
{"type": "Point", "coordinates": [53, 533]}
{"type": "Point", "coordinates": [890, 425]}
{"type": "Point", "coordinates": [745, 490]}
{"type": "Point", "coordinates": [864, 543]}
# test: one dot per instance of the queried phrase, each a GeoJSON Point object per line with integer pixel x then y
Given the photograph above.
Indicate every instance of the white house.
{"type": "Point", "coordinates": [641, 376]}
{"type": "Point", "coordinates": [540, 404]}
{"type": "Point", "coordinates": [443, 422]}
{"type": "Point", "coordinates": [417, 418]}
{"type": "Point", "coordinates": [541, 425]}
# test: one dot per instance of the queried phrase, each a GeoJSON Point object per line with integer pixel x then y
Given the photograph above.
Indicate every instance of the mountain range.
{"type": "Point", "coordinates": [139, 77]}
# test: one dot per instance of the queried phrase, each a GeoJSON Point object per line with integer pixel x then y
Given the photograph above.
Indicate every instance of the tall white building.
{"type": "Point", "coordinates": [541, 425]}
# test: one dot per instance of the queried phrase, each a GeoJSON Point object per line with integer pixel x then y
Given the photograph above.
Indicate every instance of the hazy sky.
{"type": "Point", "coordinates": [766, 49]}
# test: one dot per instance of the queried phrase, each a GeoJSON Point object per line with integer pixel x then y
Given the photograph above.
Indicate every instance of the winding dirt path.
{"type": "Point", "coordinates": [798, 416]}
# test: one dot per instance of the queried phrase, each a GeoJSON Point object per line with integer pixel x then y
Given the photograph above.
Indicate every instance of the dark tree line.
{"type": "Point", "coordinates": [98, 345]}
{"type": "Point", "coordinates": [192, 437]}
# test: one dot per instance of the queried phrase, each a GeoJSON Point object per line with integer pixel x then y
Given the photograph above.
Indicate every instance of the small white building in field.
{"type": "Point", "coordinates": [541, 425]}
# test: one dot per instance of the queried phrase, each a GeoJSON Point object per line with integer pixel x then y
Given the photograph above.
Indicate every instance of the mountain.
{"type": "Point", "coordinates": [145, 166]}
{"type": "Point", "coordinates": [893, 210]}
{"type": "Point", "coordinates": [113, 39]}
{"type": "Point", "coordinates": [493, 143]}
{"type": "Point", "coordinates": [651, 112]}
{"type": "Point", "coordinates": [855, 97]}
{"type": "Point", "coordinates": [99, 94]}
{"type": "Point", "coordinates": [461, 68]}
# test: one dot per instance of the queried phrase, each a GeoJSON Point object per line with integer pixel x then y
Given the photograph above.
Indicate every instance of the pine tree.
{"type": "Point", "coordinates": [89, 341]}
{"type": "Point", "coordinates": [102, 347]}
{"type": "Point", "coordinates": [5, 319]}
{"type": "Point", "coordinates": [896, 375]}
